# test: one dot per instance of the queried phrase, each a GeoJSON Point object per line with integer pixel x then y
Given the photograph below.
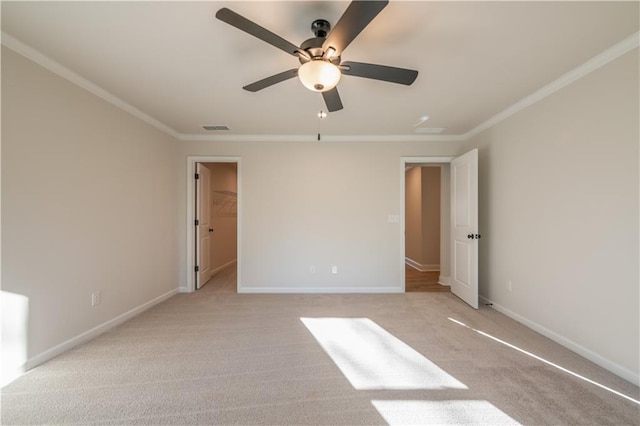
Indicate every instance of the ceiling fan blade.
{"type": "Point", "coordinates": [379, 72]}
{"type": "Point", "coordinates": [270, 81]}
{"type": "Point", "coordinates": [332, 100]}
{"type": "Point", "coordinates": [242, 23]}
{"type": "Point", "coordinates": [358, 15]}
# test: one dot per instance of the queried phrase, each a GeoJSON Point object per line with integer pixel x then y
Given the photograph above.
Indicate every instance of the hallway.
{"type": "Point", "coordinates": [416, 281]}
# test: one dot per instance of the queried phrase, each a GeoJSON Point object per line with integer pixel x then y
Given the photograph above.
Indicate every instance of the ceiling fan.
{"type": "Point", "coordinates": [320, 56]}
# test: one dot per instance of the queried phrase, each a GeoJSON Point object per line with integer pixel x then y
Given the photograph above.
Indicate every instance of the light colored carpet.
{"type": "Point", "coordinates": [216, 357]}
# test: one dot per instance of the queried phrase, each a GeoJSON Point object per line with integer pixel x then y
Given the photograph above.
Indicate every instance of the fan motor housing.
{"type": "Point", "coordinates": [313, 47]}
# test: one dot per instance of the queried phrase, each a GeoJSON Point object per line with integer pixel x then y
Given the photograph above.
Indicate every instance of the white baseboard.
{"type": "Point", "coordinates": [320, 290]}
{"type": "Point", "coordinates": [94, 332]}
{"type": "Point", "coordinates": [184, 289]}
{"type": "Point", "coordinates": [594, 357]}
{"type": "Point", "coordinates": [223, 267]}
{"type": "Point", "coordinates": [443, 280]}
{"type": "Point", "coordinates": [421, 266]}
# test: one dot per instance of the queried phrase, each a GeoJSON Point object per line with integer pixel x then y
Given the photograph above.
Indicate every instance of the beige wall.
{"type": "Point", "coordinates": [445, 225]}
{"type": "Point", "coordinates": [224, 246]}
{"type": "Point", "coordinates": [318, 204]}
{"type": "Point", "coordinates": [422, 217]}
{"type": "Point", "coordinates": [89, 202]}
{"type": "Point", "coordinates": [559, 215]}
{"type": "Point", "coordinates": [431, 217]}
{"type": "Point", "coordinates": [413, 214]}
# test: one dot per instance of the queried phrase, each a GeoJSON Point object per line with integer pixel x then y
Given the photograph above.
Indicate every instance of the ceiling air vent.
{"type": "Point", "coordinates": [215, 127]}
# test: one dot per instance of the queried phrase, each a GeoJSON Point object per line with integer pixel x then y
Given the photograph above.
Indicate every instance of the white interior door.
{"type": "Point", "coordinates": [464, 227]}
{"type": "Point", "coordinates": [203, 225]}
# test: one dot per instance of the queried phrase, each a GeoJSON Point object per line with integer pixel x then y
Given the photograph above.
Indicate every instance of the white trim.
{"type": "Point", "coordinates": [422, 267]}
{"type": "Point", "coordinates": [95, 332]}
{"type": "Point", "coordinates": [64, 72]}
{"type": "Point", "coordinates": [323, 138]}
{"type": "Point", "coordinates": [594, 357]}
{"type": "Point", "coordinates": [445, 281]}
{"type": "Point", "coordinates": [320, 290]}
{"type": "Point", "coordinates": [412, 263]}
{"type": "Point", "coordinates": [223, 267]}
{"type": "Point", "coordinates": [191, 169]}
{"type": "Point", "coordinates": [610, 54]}
{"type": "Point", "coordinates": [426, 160]}
{"type": "Point", "coordinates": [578, 72]}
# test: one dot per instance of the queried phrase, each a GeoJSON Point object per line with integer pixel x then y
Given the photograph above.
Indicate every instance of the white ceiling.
{"type": "Point", "coordinates": [179, 65]}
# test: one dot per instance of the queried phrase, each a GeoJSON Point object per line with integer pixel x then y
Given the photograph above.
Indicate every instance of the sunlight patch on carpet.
{"type": "Point", "coordinates": [549, 363]}
{"type": "Point", "coordinates": [458, 412]}
{"type": "Point", "coordinates": [372, 358]}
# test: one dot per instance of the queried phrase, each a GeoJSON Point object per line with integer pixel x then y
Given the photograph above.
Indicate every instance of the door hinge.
{"type": "Point", "coordinates": [197, 176]}
{"type": "Point", "coordinates": [197, 222]}
{"type": "Point", "coordinates": [197, 269]}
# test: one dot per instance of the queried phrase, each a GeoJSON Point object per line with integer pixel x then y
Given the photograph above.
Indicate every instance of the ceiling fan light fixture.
{"type": "Point", "coordinates": [319, 75]}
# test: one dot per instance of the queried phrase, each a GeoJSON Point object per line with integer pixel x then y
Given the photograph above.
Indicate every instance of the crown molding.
{"type": "Point", "coordinates": [64, 72]}
{"type": "Point", "coordinates": [323, 138]}
{"type": "Point", "coordinates": [612, 53]}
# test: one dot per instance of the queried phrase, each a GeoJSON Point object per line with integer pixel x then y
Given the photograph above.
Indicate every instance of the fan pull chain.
{"type": "Point", "coordinates": [321, 115]}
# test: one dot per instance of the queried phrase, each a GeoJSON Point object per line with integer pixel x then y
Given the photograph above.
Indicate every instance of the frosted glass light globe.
{"type": "Point", "coordinates": [319, 75]}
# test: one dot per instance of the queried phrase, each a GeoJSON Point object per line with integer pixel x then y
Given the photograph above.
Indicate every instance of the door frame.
{"type": "Point", "coordinates": [202, 198]}
{"type": "Point", "coordinates": [403, 164]}
{"type": "Point", "coordinates": [191, 214]}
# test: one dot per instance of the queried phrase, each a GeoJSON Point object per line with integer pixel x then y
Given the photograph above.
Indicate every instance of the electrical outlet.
{"type": "Point", "coordinates": [509, 287]}
{"type": "Point", "coordinates": [334, 269]}
{"type": "Point", "coordinates": [95, 298]}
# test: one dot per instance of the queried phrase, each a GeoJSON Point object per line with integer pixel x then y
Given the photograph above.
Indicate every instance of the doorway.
{"type": "Point", "coordinates": [213, 223]}
{"type": "Point", "coordinates": [460, 235]}
{"type": "Point", "coordinates": [216, 225]}
{"type": "Point", "coordinates": [426, 225]}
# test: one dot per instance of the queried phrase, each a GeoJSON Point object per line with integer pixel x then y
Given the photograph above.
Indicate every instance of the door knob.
{"type": "Point", "coordinates": [470, 236]}
{"type": "Point", "coordinates": [210, 229]}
